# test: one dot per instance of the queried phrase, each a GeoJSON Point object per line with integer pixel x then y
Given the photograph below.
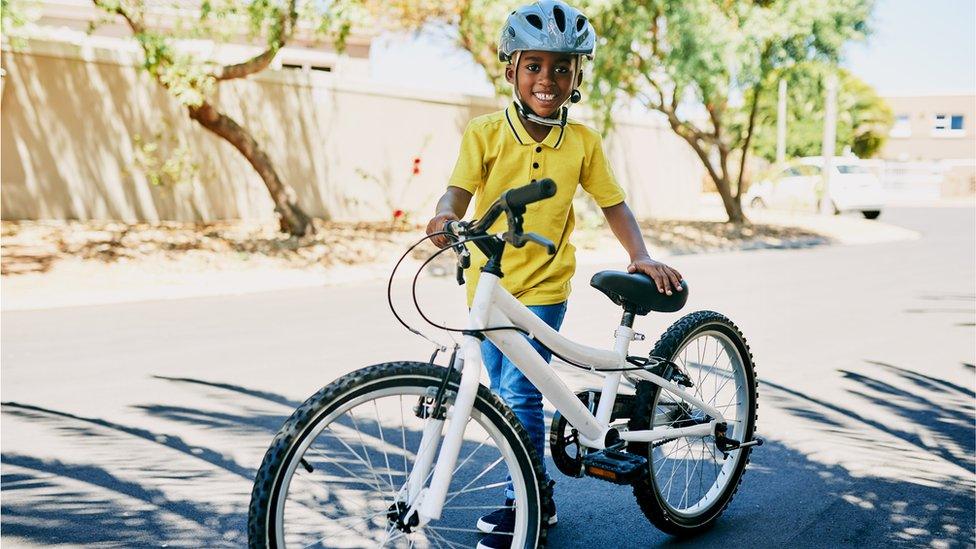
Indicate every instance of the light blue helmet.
{"type": "Point", "coordinates": [547, 25]}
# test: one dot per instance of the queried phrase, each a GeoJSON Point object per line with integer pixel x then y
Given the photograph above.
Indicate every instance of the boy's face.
{"type": "Point", "coordinates": [545, 80]}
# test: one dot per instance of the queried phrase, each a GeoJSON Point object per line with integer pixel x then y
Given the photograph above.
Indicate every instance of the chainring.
{"type": "Point", "coordinates": [564, 443]}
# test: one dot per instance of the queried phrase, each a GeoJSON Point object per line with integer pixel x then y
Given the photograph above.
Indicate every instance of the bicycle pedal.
{"type": "Point", "coordinates": [613, 466]}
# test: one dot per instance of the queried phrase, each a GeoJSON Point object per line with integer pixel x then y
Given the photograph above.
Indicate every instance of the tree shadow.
{"type": "Point", "coordinates": [123, 484]}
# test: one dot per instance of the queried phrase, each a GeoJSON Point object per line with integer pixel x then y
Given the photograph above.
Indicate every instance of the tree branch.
{"type": "Point", "coordinates": [286, 22]}
{"type": "Point", "coordinates": [753, 109]}
{"type": "Point", "coordinates": [134, 24]}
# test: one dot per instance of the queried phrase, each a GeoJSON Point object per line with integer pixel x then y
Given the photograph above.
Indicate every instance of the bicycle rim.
{"type": "Point", "coordinates": [360, 451]}
{"type": "Point", "coordinates": [689, 474]}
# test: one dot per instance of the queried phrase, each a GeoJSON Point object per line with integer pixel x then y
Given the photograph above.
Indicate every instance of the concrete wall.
{"type": "Point", "coordinates": [71, 117]}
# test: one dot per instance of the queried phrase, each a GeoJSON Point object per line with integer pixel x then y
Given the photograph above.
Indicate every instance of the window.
{"type": "Point", "coordinates": [946, 125]}
{"type": "Point", "coordinates": [902, 126]}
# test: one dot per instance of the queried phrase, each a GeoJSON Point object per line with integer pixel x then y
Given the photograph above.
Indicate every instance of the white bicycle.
{"type": "Point", "coordinates": [410, 454]}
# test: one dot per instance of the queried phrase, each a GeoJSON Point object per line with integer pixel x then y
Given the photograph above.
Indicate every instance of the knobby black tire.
{"type": "Point", "coordinates": [645, 489]}
{"type": "Point", "coordinates": [261, 512]}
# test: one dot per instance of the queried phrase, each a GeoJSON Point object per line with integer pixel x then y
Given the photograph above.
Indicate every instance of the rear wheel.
{"type": "Point", "coordinates": [871, 214]}
{"type": "Point", "coordinates": [688, 482]}
{"type": "Point", "coordinates": [334, 473]}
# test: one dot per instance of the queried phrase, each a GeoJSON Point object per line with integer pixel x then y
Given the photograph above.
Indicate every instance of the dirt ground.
{"type": "Point", "coordinates": [35, 247]}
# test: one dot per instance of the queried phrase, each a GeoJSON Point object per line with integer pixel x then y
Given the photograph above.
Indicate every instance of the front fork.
{"type": "Point", "coordinates": [426, 504]}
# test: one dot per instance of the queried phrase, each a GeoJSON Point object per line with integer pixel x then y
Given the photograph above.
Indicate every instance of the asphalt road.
{"type": "Point", "coordinates": [142, 424]}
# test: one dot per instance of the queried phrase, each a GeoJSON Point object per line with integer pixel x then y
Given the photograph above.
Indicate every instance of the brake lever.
{"type": "Point", "coordinates": [464, 261]}
{"type": "Point", "coordinates": [532, 237]}
{"type": "Point", "coordinates": [463, 255]}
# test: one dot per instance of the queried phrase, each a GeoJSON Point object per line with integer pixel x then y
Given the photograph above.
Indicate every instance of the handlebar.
{"type": "Point", "coordinates": [517, 199]}
{"type": "Point", "coordinates": [512, 203]}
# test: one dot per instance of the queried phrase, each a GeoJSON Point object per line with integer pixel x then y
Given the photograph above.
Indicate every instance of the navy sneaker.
{"type": "Point", "coordinates": [492, 520]}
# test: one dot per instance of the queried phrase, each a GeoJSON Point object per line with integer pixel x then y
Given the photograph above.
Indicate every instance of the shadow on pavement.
{"type": "Point", "coordinates": [122, 484]}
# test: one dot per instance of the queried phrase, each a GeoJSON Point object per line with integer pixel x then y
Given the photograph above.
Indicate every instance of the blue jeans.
{"type": "Point", "coordinates": [516, 390]}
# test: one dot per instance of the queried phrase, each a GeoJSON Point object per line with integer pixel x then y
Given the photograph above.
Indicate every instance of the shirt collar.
{"type": "Point", "coordinates": [553, 140]}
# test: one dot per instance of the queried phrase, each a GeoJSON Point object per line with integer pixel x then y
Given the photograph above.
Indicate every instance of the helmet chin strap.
{"type": "Point", "coordinates": [525, 112]}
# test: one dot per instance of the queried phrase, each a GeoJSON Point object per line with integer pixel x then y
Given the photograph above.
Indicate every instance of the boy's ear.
{"type": "Point", "coordinates": [510, 73]}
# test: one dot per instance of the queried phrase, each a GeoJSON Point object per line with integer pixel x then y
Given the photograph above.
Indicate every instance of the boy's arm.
{"type": "Point", "coordinates": [625, 228]}
{"type": "Point", "coordinates": [450, 207]}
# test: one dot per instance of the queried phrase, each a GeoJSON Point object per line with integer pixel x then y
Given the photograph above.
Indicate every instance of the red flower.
{"type": "Point", "coordinates": [416, 170]}
{"type": "Point", "coordinates": [397, 214]}
{"type": "Point", "coordinates": [416, 160]}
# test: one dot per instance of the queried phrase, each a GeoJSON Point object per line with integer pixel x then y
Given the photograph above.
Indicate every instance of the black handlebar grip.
{"type": "Point", "coordinates": [517, 199]}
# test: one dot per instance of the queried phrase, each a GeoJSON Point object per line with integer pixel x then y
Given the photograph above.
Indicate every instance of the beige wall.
{"type": "Point", "coordinates": [918, 140]}
{"type": "Point", "coordinates": [70, 116]}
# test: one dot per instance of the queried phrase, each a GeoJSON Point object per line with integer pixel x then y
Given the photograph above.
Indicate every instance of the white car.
{"type": "Point", "coordinates": [796, 187]}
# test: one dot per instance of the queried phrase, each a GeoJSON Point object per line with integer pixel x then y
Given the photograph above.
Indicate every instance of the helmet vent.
{"type": "Point", "coordinates": [511, 32]}
{"type": "Point", "coordinates": [580, 21]}
{"type": "Point", "coordinates": [560, 17]}
{"type": "Point", "coordinates": [534, 20]}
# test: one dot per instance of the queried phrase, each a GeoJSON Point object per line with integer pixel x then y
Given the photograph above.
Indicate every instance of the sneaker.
{"type": "Point", "coordinates": [502, 524]}
{"type": "Point", "coordinates": [506, 514]}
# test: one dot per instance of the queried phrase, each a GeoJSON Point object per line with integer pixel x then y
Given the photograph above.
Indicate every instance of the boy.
{"type": "Point", "coordinates": [544, 44]}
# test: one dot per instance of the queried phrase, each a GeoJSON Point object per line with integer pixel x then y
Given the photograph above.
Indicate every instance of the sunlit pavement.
{"type": "Point", "coordinates": [142, 424]}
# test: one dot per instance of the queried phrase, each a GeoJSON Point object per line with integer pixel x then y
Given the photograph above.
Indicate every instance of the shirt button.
{"type": "Point", "coordinates": [538, 149]}
{"type": "Point", "coordinates": [535, 165]}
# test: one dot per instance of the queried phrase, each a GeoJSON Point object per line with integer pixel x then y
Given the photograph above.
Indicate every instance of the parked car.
{"type": "Point", "coordinates": [797, 186]}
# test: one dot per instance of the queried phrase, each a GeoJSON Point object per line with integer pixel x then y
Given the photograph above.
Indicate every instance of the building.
{"type": "Point", "coordinates": [933, 143]}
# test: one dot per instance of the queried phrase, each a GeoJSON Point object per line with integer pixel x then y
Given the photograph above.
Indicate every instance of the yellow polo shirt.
{"type": "Point", "coordinates": [498, 154]}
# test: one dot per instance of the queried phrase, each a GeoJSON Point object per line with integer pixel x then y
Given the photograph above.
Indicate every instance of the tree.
{"type": "Point", "coordinates": [706, 64]}
{"type": "Point", "coordinates": [476, 22]}
{"type": "Point", "coordinates": [863, 120]}
{"type": "Point", "coordinates": [194, 82]}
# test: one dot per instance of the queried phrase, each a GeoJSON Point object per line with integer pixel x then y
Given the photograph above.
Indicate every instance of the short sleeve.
{"type": "Point", "coordinates": [469, 171]}
{"type": "Point", "coordinates": [596, 177]}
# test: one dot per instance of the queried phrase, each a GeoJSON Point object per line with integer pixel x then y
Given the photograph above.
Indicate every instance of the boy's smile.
{"type": "Point", "coordinates": [544, 80]}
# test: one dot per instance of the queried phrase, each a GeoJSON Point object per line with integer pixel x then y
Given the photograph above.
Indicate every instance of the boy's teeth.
{"type": "Point", "coordinates": [545, 96]}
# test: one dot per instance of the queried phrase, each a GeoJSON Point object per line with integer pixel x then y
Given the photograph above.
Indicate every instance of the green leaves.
{"type": "Point", "coordinates": [863, 120]}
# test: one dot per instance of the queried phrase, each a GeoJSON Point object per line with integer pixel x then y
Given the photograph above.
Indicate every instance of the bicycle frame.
{"type": "Point", "coordinates": [494, 306]}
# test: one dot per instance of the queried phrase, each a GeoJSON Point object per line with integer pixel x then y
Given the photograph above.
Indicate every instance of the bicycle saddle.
{"type": "Point", "coordinates": [637, 292]}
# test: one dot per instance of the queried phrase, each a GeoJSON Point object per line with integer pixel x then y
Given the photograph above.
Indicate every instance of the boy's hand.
{"type": "Point", "coordinates": [666, 278]}
{"type": "Point", "coordinates": [436, 224]}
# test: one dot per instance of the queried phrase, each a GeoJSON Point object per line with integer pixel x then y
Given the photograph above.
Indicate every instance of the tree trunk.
{"type": "Point", "coordinates": [291, 218]}
{"type": "Point", "coordinates": [733, 206]}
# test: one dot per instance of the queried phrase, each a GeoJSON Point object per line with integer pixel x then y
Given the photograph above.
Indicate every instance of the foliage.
{"type": "Point", "coordinates": [165, 159]}
{"type": "Point", "coordinates": [703, 63]}
{"type": "Point", "coordinates": [15, 16]}
{"type": "Point", "coordinates": [477, 24]}
{"type": "Point", "coordinates": [168, 55]}
{"type": "Point", "coordinates": [190, 76]}
{"type": "Point", "coordinates": [863, 118]}
{"type": "Point", "coordinates": [698, 62]}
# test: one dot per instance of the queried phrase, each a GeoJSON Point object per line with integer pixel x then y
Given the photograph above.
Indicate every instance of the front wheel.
{"type": "Point", "coordinates": [334, 475]}
{"type": "Point", "coordinates": [689, 482]}
{"type": "Point", "coordinates": [871, 214]}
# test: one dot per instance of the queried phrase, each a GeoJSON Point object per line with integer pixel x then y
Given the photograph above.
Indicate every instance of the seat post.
{"type": "Point", "coordinates": [628, 318]}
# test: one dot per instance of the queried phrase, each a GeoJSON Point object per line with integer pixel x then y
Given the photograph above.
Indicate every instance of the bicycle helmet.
{"type": "Point", "coordinates": [553, 26]}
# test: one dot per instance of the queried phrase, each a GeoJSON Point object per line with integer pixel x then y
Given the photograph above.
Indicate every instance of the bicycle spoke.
{"type": "Point", "coordinates": [442, 538]}
{"type": "Point", "coordinates": [478, 489]}
{"type": "Point", "coordinates": [327, 459]}
{"type": "Point", "coordinates": [403, 438]}
{"type": "Point", "coordinates": [353, 452]}
{"type": "Point", "coordinates": [365, 451]}
{"type": "Point", "coordinates": [475, 479]}
{"type": "Point", "coordinates": [386, 456]}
